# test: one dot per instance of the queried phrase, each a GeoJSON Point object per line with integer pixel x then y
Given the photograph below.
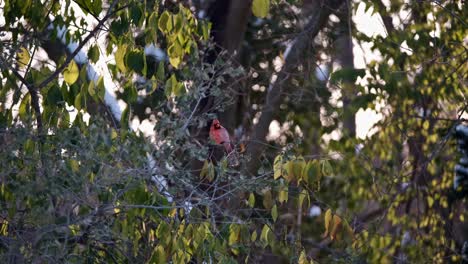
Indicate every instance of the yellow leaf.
{"type": "Point", "coordinates": [335, 226]}
{"type": "Point", "coordinates": [23, 57]}
{"type": "Point", "coordinates": [251, 200]}
{"type": "Point", "coordinates": [328, 219]}
{"type": "Point", "coordinates": [119, 57]}
{"type": "Point", "coordinates": [278, 167]}
{"type": "Point", "coordinates": [173, 212]}
{"type": "Point", "coordinates": [234, 230]}
{"type": "Point", "coordinates": [299, 165]}
{"type": "Point", "coordinates": [266, 237]}
{"type": "Point", "coordinates": [303, 258]}
{"type": "Point", "coordinates": [175, 61]}
{"type": "Point", "coordinates": [260, 8]}
{"type": "Point", "coordinates": [426, 125]}
{"type": "Point", "coordinates": [430, 201]}
{"type": "Point", "coordinates": [289, 175]}
{"type": "Point", "coordinates": [294, 169]}
{"type": "Point", "coordinates": [283, 194]}
{"type": "Point", "coordinates": [253, 237]}
{"type": "Point", "coordinates": [71, 73]}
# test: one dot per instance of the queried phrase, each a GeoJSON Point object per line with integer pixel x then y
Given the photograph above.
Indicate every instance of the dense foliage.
{"type": "Point", "coordinates": [80, 181]}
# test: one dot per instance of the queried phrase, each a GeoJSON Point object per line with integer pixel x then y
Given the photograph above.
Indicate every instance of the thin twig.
{"type": "Point", "coordinates": [78, 49]}
{"type": "Point", "coordinates": [34, 96]}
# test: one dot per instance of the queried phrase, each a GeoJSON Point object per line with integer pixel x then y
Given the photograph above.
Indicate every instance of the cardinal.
{"type": "Point", "coordinates": [220, 136]}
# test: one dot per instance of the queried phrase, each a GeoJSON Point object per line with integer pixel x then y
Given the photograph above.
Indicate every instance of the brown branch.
{"type": "Point", "coordinates": [274, 95]}
{"type": "Point", "coordinates": [34, 96]}
{"type": "Point", "coordinates": [71, 56]}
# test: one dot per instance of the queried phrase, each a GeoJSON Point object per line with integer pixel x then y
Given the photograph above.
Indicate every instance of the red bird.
{"type": "Point", "coordinates": [220, 136]}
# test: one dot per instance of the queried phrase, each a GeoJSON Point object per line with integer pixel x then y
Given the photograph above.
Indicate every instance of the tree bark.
{"type": "Point", "coordinates": [344, 48]}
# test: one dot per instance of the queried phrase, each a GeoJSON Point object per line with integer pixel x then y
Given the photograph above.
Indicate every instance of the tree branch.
{"type": "Point", "coordinates": [293, 54]}
{"type": "Point", "coordinates": [34, 96]}
{"type": "Point", "coordinates": [71, 56]}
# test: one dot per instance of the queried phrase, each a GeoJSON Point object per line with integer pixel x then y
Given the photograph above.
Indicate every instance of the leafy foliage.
{"type": "Point", "coordinates": [80, 183]}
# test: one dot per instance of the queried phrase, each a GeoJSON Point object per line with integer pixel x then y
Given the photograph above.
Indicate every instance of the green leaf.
{"type": "Point", "coordinates": [93, 53]}
{"type": "Point", "coordinates": [29, 146]}
{"type": "Point", "coordinates": [130, 93]}
{"type": "Point", "coordinates": [96, 6]}
{"type": "Point", "coordinates": [206, 28]}
{"type": "Point", "coordinates": [165, 22]}
{"type": "Point", "coordinates": [327, 169]}
{"type": "Point", "coordinates": [23, 57]}
{"type": "Point", "coordinates": [92, 88]}
{"type": "Point", "coordinates": [207, 171]}
{"type": "Point", "coordinates": [251, 200]}
{"type": "Point", "coordinates": [73, 165]}
{"type": "Point", "coordinates": [24, 108]}
{"type": "Point", "coordinates": [120, 56]}
{"type": "Point", "coordinates": [346, 75]}
{"type": "Point", "coordinates": [173, 87]}
{"type": "Point", "coordinates": [175, 53]}
{"type": "Point", "coordinates": [178, 89]}
{"type": "Point", "coordinates": [266, 236]}
{"type": "Point", "coordinates": [274, 213]}
{"type": "Point", "coordinates": [54, 95]}
{"type": "Point", "coordinates": [71, 73]}
{"type": "Point", "coordinates": [159, 255]}
{"type": "Point", "coordinates": [152, 27]}
{"type": "Point", "coordinates": [304, 194]}
{"type": "Point", "coordinates": [234, 230]}
{"type": "Point", "coordinates": [160, 72]}
{"type": "Point", "coordinates": [260, 8]}
{"type": "Point", "coordinates": [253, 237]}
{"type": "Point", "coordinates": [311, 174]}
{"type": "Point", "coordinates": [136, 15]}
{"type": "Point", "coordinates": [101, 89]}
{"type": "Point", "coordinates": [134, 60]}
{"type": "Point", "coordinates": [78, 101]}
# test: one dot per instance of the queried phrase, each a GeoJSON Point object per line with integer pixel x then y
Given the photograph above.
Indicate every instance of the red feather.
{"type": "Point", "coordinates": [220, 135]}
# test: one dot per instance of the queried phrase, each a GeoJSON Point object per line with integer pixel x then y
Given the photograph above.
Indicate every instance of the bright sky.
{"type": "Point", "coordinates": [371, 25]}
